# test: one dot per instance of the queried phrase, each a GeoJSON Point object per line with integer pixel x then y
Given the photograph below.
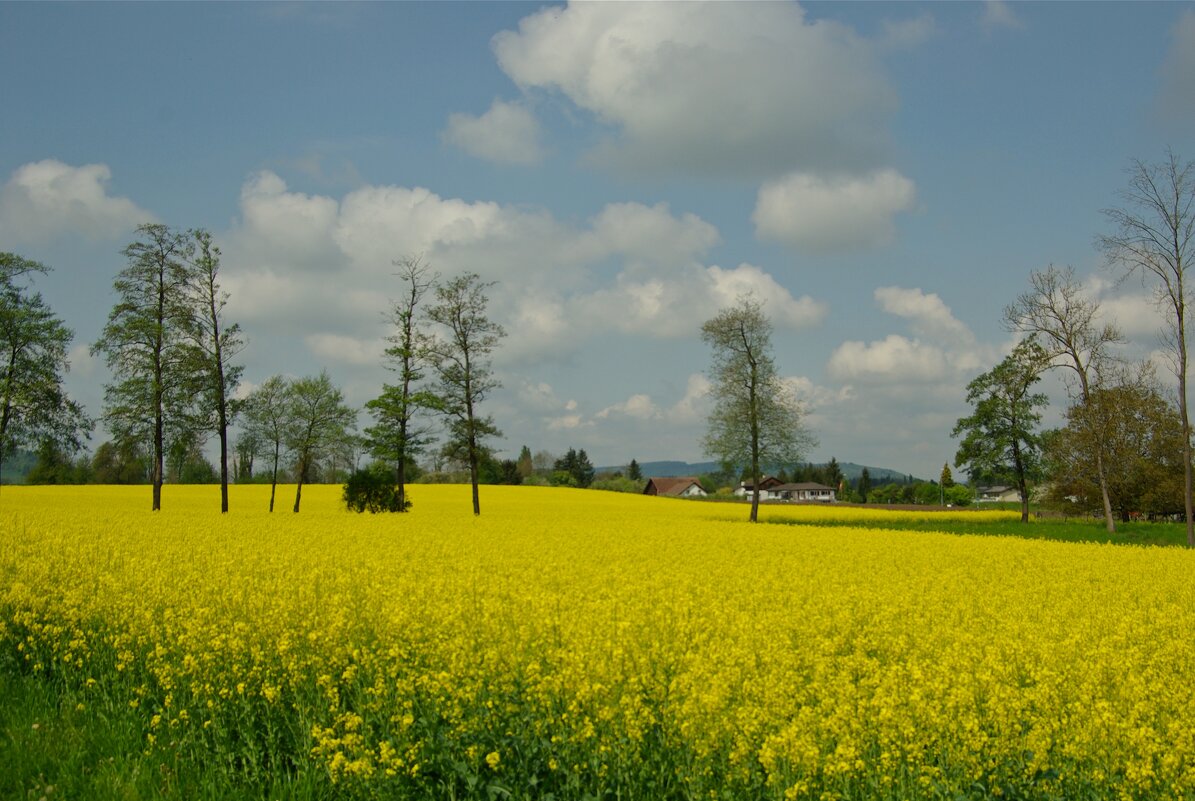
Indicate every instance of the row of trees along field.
{"type": "Point", "coordinates": [172, 356]}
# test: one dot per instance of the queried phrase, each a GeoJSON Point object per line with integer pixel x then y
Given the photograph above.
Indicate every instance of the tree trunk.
{"type": "Point", "coordinates": [402, 483]}
{"type": "Point", "coordinates": [473, 465]}
{"type": "Point", "coordinates": [1109, 518]}
{"type": "Point", "coordinates": [274, 477]}
{"type": "Point", "coordinates": [303, 461]}
{"type": "Point", "coordinates": [159, 459]}
{"type": "Point", "coordinates": [222, 412]}
{"type": "Point", "coordinates": [223, 454]}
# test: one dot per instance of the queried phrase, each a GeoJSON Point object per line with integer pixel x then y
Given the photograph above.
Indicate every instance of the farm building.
{"type": "Point", "coordinates": [680, 487]}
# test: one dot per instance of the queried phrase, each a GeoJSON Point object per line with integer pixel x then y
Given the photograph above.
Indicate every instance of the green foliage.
{"type": "Point", "coordinates": [463, 367]}
{"type": "Point", "coordinates": [123, 462]}
{"type": "Point", "coordinates": [374, 490]}
{"type": "Point", "coordinates": [526, 464]}
{"type": "Point", "coordinates": [1000, 436]}
{"type": "Point", "coordinates": [151, 397]}
{"type": "Point", "coordinates": [266, 421]}
{"type": "Point", "coordinates": [506, 471]}
{"type": "Point", "coordinates": [55, 466]}
{"type": "Point", "coordinates": [401, 431]}
{"type": "Point", "coordinates": [633, 471]}
{"type": "Point", "coordinates": [211, 345]}
{"type": "Point", "coordinates": [959, 495]}
{"type": "Point", "coordinates": [618, 484]}
{"type": "Point", "coordinates": [577, 467]}
{"type": "Point", "coordinates": [316, 420]}
{"type": "Point", "coordinates": [756, 420]}
{"type": "Point", "coordinates": [1139, 436]}
{"type": "Point", "coordinates": [34, 345]}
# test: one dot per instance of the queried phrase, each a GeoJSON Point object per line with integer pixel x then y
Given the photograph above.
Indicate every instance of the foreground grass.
{"type": "Point", "coordinates": [572, 645]}
{"type": "Point", "coordinates": [59, 743]}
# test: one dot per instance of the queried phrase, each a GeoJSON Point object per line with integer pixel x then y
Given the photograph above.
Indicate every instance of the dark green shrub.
{"type": "Point", "coordinates": [373, 489]}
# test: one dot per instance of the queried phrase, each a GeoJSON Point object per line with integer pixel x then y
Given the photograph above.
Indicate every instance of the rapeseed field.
{"type": "Point", "coordinates": [571, 644]}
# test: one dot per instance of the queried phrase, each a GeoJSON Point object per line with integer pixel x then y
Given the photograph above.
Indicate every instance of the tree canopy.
{"type": "Point", "coordinates": [756, 419]}
{"type": "Point", "coordinates": [1000, 437]}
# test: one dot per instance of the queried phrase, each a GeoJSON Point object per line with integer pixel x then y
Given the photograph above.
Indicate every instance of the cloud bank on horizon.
{"type": "Point", "coordinates": [685, 154]}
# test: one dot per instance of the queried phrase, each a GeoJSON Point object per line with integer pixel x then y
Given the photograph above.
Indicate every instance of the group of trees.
{"type": "Point", "coordinates": [171, 352]}
{"type": "Point", "coordinates": [441, 357]}
{"type": "Point", "coordinates": [172, 356]}
{"type": "Point", "coordinates": [1124, 445]}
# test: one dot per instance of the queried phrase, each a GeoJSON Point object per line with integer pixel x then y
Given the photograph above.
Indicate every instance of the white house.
{"type": "Point", "coordinates": [997, 495]}
{"type": "Point", "coordinates": [804, 492]}
{"type": "Point", "coordinates": [767, 485]}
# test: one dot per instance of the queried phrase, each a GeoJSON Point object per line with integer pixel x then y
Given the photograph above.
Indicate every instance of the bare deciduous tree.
{"type": "Point", "coordinates": [1067, 321]}
{"type": "Point", "coordinates": [1154, 236]}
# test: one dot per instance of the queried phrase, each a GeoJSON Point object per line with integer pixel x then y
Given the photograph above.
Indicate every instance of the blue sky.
{"type": "Point", "coordinates": [885, 176]}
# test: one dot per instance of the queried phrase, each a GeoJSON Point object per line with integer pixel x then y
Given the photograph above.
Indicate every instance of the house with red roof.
{"type": "Point", "coordinates": [675, 487]}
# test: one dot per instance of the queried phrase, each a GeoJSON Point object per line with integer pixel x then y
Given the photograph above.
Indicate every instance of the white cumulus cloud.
{"type": "Point", "coordinates": [927, 313]}
{"type": "Point", "coordinates": [805, 210]}
{"type": "Point", "coordinates": [725, 88]}
{"type": "Point", "coordinates": [300, 263]}
{"type": "Point", "coordinates": [45, 199]}
{"type": "Point", "coordinates": [639, 406]}
{"type": "Point", "coordinates": [506, 134]}
{"type": "Point", "coordinates": [895, 358]}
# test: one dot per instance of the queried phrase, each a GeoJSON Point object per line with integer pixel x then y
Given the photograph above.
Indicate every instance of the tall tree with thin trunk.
{"type": "Point", "coordinates": [144, 346]}
{"type": "Point", "coordinates": [756, 420]}
{"type": "Point", "coordinates": [1000, 437]}
{"type": "Point", "coordinates": [266, 418]}
{"type": "Point", "coordinates": [34, 408]}
{"type": "Point", "coordinates": [462, 363]}
{"type": "Point", "coordinates": [1066, 320]}
{"type": "Point", "coordinates": [1154, 237]}
{"type": "Point", "coordinates": [399, 435]}
{"type": "Point", "coordinates": [212, 344]}
{"type": "Point", "coordinates": [318, 420]}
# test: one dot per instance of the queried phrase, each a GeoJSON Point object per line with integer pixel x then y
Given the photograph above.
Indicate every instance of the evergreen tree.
{"type": "Point", "coordinates": [525, 463]}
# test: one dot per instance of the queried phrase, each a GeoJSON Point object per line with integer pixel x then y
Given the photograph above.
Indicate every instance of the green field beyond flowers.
{"type": "Point", "coordinates": [578, 644]}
